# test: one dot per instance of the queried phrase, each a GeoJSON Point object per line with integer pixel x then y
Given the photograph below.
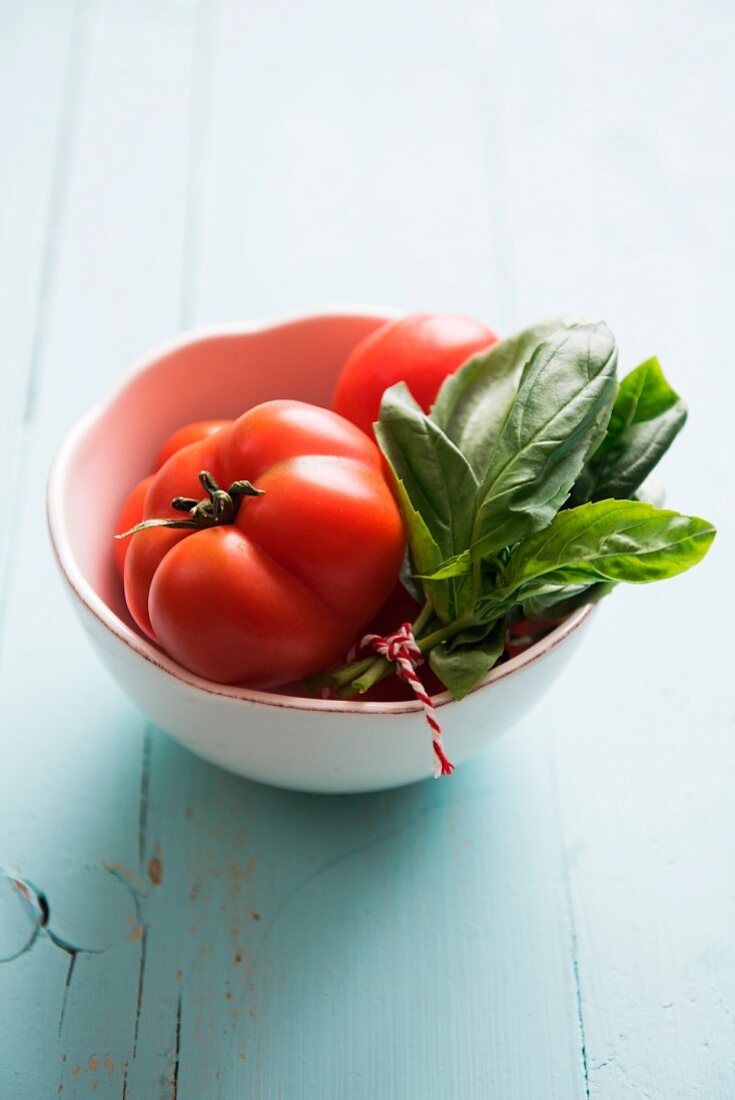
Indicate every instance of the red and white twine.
{"type": "Point", "coordinates": [401, 648]}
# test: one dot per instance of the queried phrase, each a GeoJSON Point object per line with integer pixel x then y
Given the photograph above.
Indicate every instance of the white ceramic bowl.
{"type": "Point", "coordinates": [301, 743]}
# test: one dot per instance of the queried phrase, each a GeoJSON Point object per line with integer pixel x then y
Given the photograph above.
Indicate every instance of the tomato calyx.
{"type": "Point", "coordinates": [217, 509]}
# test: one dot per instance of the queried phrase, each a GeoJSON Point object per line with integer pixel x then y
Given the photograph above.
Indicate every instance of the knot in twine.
{"type": "Point", "coordinates": [401, 648]}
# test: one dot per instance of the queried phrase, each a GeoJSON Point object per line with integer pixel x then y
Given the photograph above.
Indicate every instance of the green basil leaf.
{"type": "Point", "coordinates": [609, 540]}
{"type": "Point", "coordinates": [559, 416]}
{"type": "Point", "coordinates": [644, 394]}
{"type": "Point", "coordinates": [562, 601]}
{"type": "Point", "coordinates": [474, 401]}
{"type": "Point", "coordinates": [462, 668]}
{"type": "Point", "coordinates": [425, 554]}
{"type": "Point", "coordinates": [458, 566]}
{"type": "Point", "coordinates": [646, 418]}
{"type": "Point", "coordinates": [470, 636]}
{"type": "Point", "coordinates": [437, 480]}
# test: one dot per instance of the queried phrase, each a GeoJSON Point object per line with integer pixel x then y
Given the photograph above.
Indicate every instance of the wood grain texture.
{"type": "Point", "coordinates": [72, 775]}
{"type": "Point", "coordinates": [631, 219]}
{"type": "Point", "coordinates": [555, 921]}
{"type": "Point", "coordinates": [362, 174]}
{"type": "Point", "coordinates": [38, 92]}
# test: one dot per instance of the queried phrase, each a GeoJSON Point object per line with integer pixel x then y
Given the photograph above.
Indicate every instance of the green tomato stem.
{"type": "Point", "coordinates": [216, 509]}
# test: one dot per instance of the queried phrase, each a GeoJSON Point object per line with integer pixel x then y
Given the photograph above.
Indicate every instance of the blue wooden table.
{"type": "Point", "coordinates": [557, 920]}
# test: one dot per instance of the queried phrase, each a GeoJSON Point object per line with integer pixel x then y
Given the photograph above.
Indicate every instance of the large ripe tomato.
{"type": "Point", "coordinates": [280, 589]}
{"type": "Point", "coordinates": [420, 350]}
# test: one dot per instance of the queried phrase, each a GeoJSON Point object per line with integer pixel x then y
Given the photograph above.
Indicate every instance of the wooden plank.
{"type": "Point", "coordinates": [38, 90]}
{"type": "Point", "coordinates": [73, 749]}
{"type": "Point", "coordinates": [620, 205]}
{"type": "Point", "coordinates": [347, 160]}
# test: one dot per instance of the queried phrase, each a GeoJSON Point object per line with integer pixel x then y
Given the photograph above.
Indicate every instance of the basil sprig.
{"type": "Point", "coordinates": [646, 418]}
{"type": "Point", "coordinates": [527, 491]}
{"type": "Point", "coordinates": [610, 540]}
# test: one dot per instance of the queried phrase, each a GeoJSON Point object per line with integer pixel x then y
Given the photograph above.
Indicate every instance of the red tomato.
{"type": "Point", "coordinates": [131, 514]}
{"type": "Point", "coordinates": [191, 433]}
{"type": "Point", "coordinates": [420, 350]}
{"type": "Point", "coordinates": [279, 591]}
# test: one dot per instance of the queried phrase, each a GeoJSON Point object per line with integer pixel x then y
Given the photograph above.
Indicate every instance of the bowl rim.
{"type": "Point", "coordinates": [143, 647]}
